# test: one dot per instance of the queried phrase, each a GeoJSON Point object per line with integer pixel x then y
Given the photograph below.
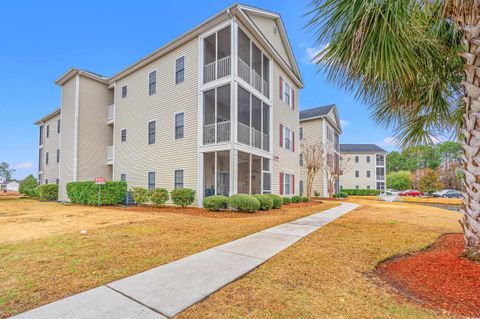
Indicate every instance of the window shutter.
{"type": "Point", "coordinates": [293, 98]}
{"type": "Point", "coordinates": [281, 88]}
{"type": "Point", "coordinates": [293, 141]}
{"type": "Point", "coordinates": [293, 184]}
{"type": "Point", "coordinates": [281, 183]}
{"type": "Point", "coordinates": [281, 135]}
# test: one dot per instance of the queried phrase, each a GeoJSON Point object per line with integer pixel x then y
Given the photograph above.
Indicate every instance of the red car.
{"type": "Point", "coordinates": [410, 192]}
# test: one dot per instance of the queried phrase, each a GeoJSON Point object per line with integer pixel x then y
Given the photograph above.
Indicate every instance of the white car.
{"type": "Point", "coordinates": [392, 192]}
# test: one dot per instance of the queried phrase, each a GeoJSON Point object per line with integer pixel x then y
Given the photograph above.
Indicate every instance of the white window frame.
{"type": "Point", "coordinates": [287, 92]}
{"type": "Point", "coordinates": [176, 71]}
{"type": "Point", "coordinates": [175, 126]}
{"type": "Point", "coordinates": [152, 83]}
{"type": "Point", "coordinates": [369, 174]}
{"type": "Point", "coordinates": [123, 179]}
{"type": "Point", "coordinates": [174, 178]}
{"type": "Point", "coordinates": [126, 90]}
{"type": "Point", "coordinates": [290, 138]}
{"type": "Point", "coordinates": [148, 132]}
{"type": "Point", "coordinates": [285, 193]}
{"type": "Point", "coordinates": [301, 160]}
{"type": "Point", "coordinates": [154, 180]}
{"type": "Point", "coordinates": [124, 129]}
{"type": "Point", "coordinates": [300, 133]}
{"type": "Point", "coordinates": [269, 172]}
{"type": "Point", "coordinates": [357, 174]}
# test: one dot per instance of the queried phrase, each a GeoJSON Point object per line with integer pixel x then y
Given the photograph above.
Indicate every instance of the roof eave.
{"type": "Point", "coordinates": [72, 72]}
{"type": "Point", "coordinates": [48, 116]}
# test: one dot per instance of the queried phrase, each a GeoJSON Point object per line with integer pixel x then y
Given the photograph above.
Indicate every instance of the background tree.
{"type": "Point", "coordinates": [334, 168]}
{"type": "Point", "coordinates": [6, 171]}
{"type": "Point", "coordinates": [394, 162]}
{"type": "Point", "coordinates": [402, 58]}
{"type": "Point", "coordinates": [399, 180]}
{"type": "Point", "coordinates": [27, 185]}
{"type": "Point", "coordinates": [313, 160]}
{"type": "Point", "coordinates": [429, 181]}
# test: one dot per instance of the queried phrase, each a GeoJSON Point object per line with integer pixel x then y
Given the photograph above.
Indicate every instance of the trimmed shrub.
{"type": "Point", "coordinates": [277, 201]}
{"type": "Point", "coordinates": [266, 202]}
{"type": "Point", "coordinates": [27, 186]}
{"type": "Point", "coordinates": [243, 203]}
{"type": "Point", "coordinates": [296, 199]}
{"type": "Point", "coordinates": [140, 195]}
{"type": "Point", "coordinates": [215, 203]}
{"type": "Point", "coordinates": [305, 199]}
{"type": "Point", "coordinates": [343, 195]}
{"type": "Point", "coordinates": [183, 196]}
{"type": "Point", "coordinates": [287, 200]}
{"type": "Point", "coordinates": [86, 193]}
{"type": "Point", "coordinates": [158, 196]}
{"type": "Point", "coordinates": [361, 192]}
{"type": "Point", "coordinates": [47, 192]}
{"type": "Point", "coordinates": [316, 194]}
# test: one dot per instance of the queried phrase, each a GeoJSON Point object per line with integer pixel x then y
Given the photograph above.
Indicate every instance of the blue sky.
{"type": "Point", "coordinates": [42, 39]}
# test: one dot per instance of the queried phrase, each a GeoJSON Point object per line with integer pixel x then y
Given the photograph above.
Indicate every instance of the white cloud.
{"type": "Point", "coordinates": [390, 141]}
{"type": "Point", "coordinates": [312, 56]}
{"type": "Point", "coordinates": [22, 165]}
{"type": "Point", "coordinates": [344, 123]}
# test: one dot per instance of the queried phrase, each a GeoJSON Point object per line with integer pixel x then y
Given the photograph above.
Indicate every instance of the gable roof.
{"type": "Point", "coordinates": [48, 116]}
{"type": "Point", "coordinates": [361, 148]}
{"type": "Point", "coordinates": [316, 112]}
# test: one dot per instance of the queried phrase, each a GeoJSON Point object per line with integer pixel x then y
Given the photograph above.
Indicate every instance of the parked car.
{"type": "Point", "coordinates": [448, 193]}
{"type": "Point", "coordinates": [410, 192]}
{"type": "Point", "coordinates": [392, 192]}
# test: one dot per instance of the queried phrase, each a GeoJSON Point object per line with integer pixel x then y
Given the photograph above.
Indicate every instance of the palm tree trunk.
{"type": "Point", "coordinates": [471, 129]}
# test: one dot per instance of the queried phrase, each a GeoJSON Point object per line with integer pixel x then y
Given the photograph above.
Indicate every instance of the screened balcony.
{"type": "Point", "coordinates": [216, 173]}
{"type": "Point", "coordinates": [254, 176]}
{"type": "Point", "coordinates": [216, 115]}
{"type": "Point", "coordinates": [253, 121]}
{"type": "Point", "coordinates": [253, 65]}
{"type": "Point", "coordinates": [217, 55]}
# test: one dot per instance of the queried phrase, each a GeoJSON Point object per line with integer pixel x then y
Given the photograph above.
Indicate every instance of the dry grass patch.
{"type": "Point", "coordinates": [38, 271]}
{"type": "Point", "coordinates": [433, 200]}
{"type": "Point", "coordinates": [329, 273]}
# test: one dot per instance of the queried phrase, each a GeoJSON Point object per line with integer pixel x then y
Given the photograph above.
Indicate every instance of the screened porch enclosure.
{"type": "Point", "coordinates": [216, 173]}
{"type": "Point", "coordinates": [217, 54]}
{"type": "Point", "coordinates": [216, 115]}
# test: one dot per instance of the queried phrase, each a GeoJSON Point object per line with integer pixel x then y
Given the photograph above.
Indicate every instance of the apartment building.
{"type": "Point", "coordinates": [215, 110]}
{"type": "Point", "coordinates": [320, 125]}
{"type": "Point", "coordinates": [365, 166]}
{"type": "Point", "coordinates": [49, 148]}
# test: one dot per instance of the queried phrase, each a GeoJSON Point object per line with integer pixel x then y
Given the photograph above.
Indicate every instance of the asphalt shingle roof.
{"type": "Point", "coordinates": [316, 112]}
{"type": "Point", "coordinates": [361, 148]}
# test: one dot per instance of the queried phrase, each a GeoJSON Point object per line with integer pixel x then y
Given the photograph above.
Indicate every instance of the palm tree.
{"type": "Point", "coordinates": [416, 63]}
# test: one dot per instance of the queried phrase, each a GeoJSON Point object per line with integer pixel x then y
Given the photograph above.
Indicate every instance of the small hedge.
{"type": "Point", "coordinates": [276, 200]}
{"type": "Point", "coordinates": [296, 199]}
{"type": "Point", "coordinates": [86, 193]}
{"type": "Point", "coordinates": [340, 195]}
{"type": "Point", "coordinates": [215, 203]}
{"type": "Point", "coordinates": [266, 202]}
{"type": "Point", "coordinates": [361, 192]}
{"type": "Point", "coordinates": [28, 186]}
{"type": "Point", "coordinates": [31, 192]}
{"type": "Point", "coordinates": [316, 194]}
{"type": "Point", "coordinates": [305, 199]}
{"type": "Point", "coordinates": [158, 196]}
{"type": "Point", "coordinates": [183, 196]}
{"type": "Point", "coordinates": [243, 203]}
{"type": "Point", "coordinates": [287, 200]}
{"type": "Point", "coordinates": [140, 195]}
{"type": "Point", "coordinates": [48, 192]}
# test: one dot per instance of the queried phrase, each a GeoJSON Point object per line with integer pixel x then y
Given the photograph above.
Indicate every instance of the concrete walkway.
{"type": "Point", "coordinates": [165, 291]}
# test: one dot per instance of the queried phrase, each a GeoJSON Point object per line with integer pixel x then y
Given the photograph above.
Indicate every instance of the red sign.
{"type": "Point", "coordinates": [100, 180]}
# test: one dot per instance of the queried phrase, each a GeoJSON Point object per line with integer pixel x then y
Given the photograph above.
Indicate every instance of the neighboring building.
{"type": "Point", "coordinates": [3, 183]}
{"type": "Point", "coordinates": [320, 125]}
{"type": "Point", "coordinates": [365, 166]}
{"type": "Point", "coordinates": [215, 110]}
{"type": "Point", "coordinates": [12, 186]}
{"type": "Point", "coordinates": [49, 148]}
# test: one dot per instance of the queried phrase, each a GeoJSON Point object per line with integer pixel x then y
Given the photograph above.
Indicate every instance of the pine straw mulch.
{"type": "Point", "coordinates": [437, 277]}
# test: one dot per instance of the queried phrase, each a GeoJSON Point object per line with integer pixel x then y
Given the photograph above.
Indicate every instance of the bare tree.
{"type": "Point", "coordinates": [313, 160]}
{"type": "Point", "coordinates": [334, 167]}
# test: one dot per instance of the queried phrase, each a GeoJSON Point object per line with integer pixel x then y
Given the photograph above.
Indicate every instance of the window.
{"type": "Point", "coordinates": [356, 187]}
{"type": "Point", "coordinates": [40, 154]}
{"type": "Point", "coordinates": [179, 124]}
{"type": "Point", "coordinates": [301, 187]}
{"type": "Point", "coordinates": [288, 184]}
{"type": "Point", "coordinates": [57, 181]}
{"type": "Point", "coordinates": [151, 181]}
{"type": "Point", "coordinates": [40, 140]}
{"type": "Point", "coordinates": [124, 91]}
{"type": "Point", "coordinates": [178, 178]}
{"type": "Point", "coordinates": [123, 177]}
{"type": "Point", "coordinates": [330, 134]}
{"type": "Point", "coordinates": [368, 174]}
{"type": "Point", "coordinates": [368, 186]}
{"type": "Point", "coordinates": [301, 133]}
{"type": "Point", "coordinates": [287, 138]}
{"type": "Point", "coordinates": [301, 159]}
{"type": "Point", "coordinates": [357, 159]}
{"type": "Point", "coordinates": [152, 83]}
{"type": "Point", "coordinates": [48, 131]}
{"type": "Point", "coordinates": [46, 158]}
{"type": "Point", "coordinates": [46, 181]}
{"type": "Point", "coordinates": [267, 176]}
{"type": "Point", "coordinates": [286, 93]}
{"type": "Point", "coordinates": [151, 132]}
{"type": "Point", "coordinates": [180, 70]}
{"type": "Point", "coordinates": [58, 126]}
{"type": "Point", "coordinates": [357, 174]}
{"type": "Point", "coordinates": [58, 155]}
{"type": "Point", "coordinates": [123, 135]}
{"type": "Point", "coordinates": [368, 159]}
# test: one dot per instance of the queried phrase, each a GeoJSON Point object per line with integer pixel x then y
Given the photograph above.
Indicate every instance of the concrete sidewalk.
{"type": "Point", "coordinates": [165, 291]}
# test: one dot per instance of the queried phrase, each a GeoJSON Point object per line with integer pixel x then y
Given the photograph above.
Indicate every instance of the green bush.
{"type": "Point", "coordinates": [158, 196]}
{"type": "Point", "coordinates": [266, 202]}
{"type": "Point", "coordinates": [316, 194]}
{"type": "Point", "coordinates": [27, 186]}
{"type": "Point", "coordinates": [400, 180]}
{"type": "Point", "coordinates": [277, 201]}
{"type": "Point", "coordinates": [215, 203]}
{"type": "Point", "coordinates": [287, 200]}
{"type": "Point", "coordinates": [47, 192]}
{"type": "Point", "coordinates": [305, 199]}
{"type": "Point", "coordinates": [243, 203]}
{"type": "Point", "coordinates": [361, 192]}
{"type": "Point", "coordinates": [86, 193]}
{"type": "Point", "coordinates": [140, 195]}
{"type": "Point", "coordinates": [183, 196]}
{"type": "Point", "coordinates": [343, 194]}
{"type": "Point", "coordinates": [296, 199]}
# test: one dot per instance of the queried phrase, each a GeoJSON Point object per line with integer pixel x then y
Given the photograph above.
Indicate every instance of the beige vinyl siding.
{"type": "Point", "coordinates": [348, 179]}
{"type": "Point", "coordinates": [94, 134]}
{"type": "Point", "coordinates": [136, 157]}
{"type": "Point", "coordinates": [313, 133]}
{"type": "Point", "coordinates": [67, 137]}
{"type": "Point", "coordinates": [50, 145]}
{"type": "Point", "coordinates": [283, 114]}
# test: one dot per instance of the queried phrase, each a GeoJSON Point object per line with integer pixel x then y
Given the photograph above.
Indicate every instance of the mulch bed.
{"type": "Point", "coordinates": [437, 277]}
{"type": "Point", "coordinates": [204, 213]}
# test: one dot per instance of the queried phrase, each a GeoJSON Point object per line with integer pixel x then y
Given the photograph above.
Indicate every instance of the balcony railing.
{"type": "Point", "coordinates": [111, 114]}
{"type": "Point", "coordinates": [110, 154]}
{"type": "Point", "coordinates": [243, 134]}
{"type": "Point", "coordinates": [223, 132]}
{"type": "Point", "coordinates": [217, 69]}
{"type": "Point", "coordinates": [258, 139]}
{"type": "Point", "coordinates": [380, 177]}
{"type": "Point", "coordinates": [380, 163]}
{"type": "Point", "coordinates": [246, 73]}
{"type": "Point", "coordinates": [243, 70]}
